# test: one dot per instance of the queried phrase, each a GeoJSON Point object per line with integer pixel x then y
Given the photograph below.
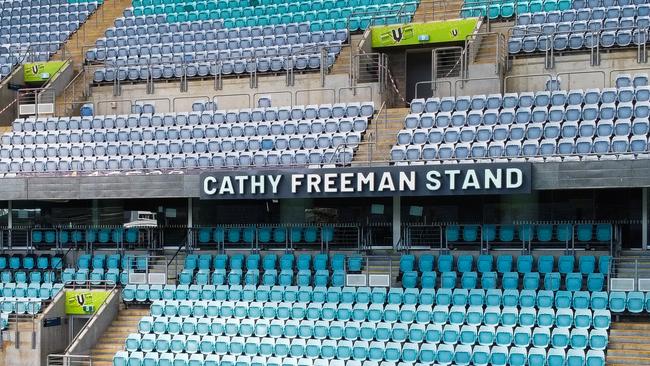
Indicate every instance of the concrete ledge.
{"type": "Point", "coordinates": [546, 176]}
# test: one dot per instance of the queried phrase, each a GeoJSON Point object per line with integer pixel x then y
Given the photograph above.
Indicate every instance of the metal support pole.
{"type": "Point", "coordinates": [397, 220]}
{"type": "Point", "coordinates": [644, 218]}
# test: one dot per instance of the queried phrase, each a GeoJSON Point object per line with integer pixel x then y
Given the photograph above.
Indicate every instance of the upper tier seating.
{"type": "Point", "coordinates": [298, 135]}
{"type": "Point", "coordinates": [200, 38]}
{"type": "Point", "coordinates": [243, 13]}
{"type": "Point", "coordinates": [507, 8]}
{"type": "Point", "coordinates": [35, 29]}
{"type": "Point", "coordinates": [172, 52]}
{"type": "Point", "coordinates": [591, 124]}
{"type": "Point", "coordinates": [583, 28]}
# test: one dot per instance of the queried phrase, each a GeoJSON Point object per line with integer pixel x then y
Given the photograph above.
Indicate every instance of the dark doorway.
{"type": "Point", "coordinates": [418, 68]}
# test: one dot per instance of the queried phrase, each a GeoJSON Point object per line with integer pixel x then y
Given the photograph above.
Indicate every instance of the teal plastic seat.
{"type": "Point", "coordinates": [488, 233]}
{"type": "Point", "coordinates": [507, 233]}
{"type": "Point", "coordinates": [525, 263]}
{"type": "Point", "coordinates": [635, 302]}
{"type": "Point", "coordinates": [564, 232]}
{"type": "Point", "coordinates": [452, 233]}
{"type": "Point", "coordinates": [504, 263]}
{"type": "Point", "coordinates": [470, 233]}
{"type": "Point", "coordinates": [566, 264]}
{"type": "Point", "coordinates": [617, 301]}
{"type": "Point", "coordinates": [604, 232]}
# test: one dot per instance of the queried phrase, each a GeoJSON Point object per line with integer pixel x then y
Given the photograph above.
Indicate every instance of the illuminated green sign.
{"type": "Point", "coordinates": [423, 33]}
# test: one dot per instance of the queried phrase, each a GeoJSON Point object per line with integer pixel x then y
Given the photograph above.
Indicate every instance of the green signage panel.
{"type": "Point", "coordinates": [41, 71]}
{"type": "Point", "coordinates": [422, 33]}
{"type": "Point", "coordinates": [83, 302]}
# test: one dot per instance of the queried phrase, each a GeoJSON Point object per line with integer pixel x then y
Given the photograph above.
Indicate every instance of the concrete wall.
{"type": "Point", "coordinates": [54, 340]}
{"type": "Point", "coordinates": [545, 176]}
{"type": "Point", "coordinates": [584, 75]}
{"type": "Point", "coordinates": [236, 93]}
{"type": "Point", "coordinates": [30, 343]}
{"type": "Point", "coordinates": [96, 326]}
{"type": "Point", "coordinates": [8, 96]}
{"type": "Point", "coordinates": [61, 79]}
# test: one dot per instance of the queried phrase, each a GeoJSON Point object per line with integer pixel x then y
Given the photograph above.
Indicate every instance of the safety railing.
{"type": "Point", "coordinates": [448, 62]}
{"type": "Point", "coordinates": [430, 10]}
{"type": "Point", "coordinates": [523, 236]}
{"type": "Point", "coordinates": [283, 237]}
{"type": "Point", "coordinates": [591, 46]}
{"type": "Point", "coordinates": [487, 47]}
{"type": "Point", "coordinates": [214, 69]}
{"type": "Point", "coordinates": [87, 238]}
{"type": "Point", "coordinates": [69, 360]}
{"type": "Point", "coordinates": [629, 274]}
{"type": "Point", "coordinates": [89, 285]}
{"type": "Point", "coordinates": [147, 269]}
{"type": "Point", "coordinates": [36, 102]}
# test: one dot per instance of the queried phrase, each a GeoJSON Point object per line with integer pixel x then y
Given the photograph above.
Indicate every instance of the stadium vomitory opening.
{"type": "Point", "coordinates": [324, 183]}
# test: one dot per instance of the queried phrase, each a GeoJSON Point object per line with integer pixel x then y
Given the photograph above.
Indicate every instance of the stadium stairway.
{"type": "Point", "coordinates": [112, 341]}
{"type": "Point", "coordinates": [628, 343]}
{"type": "Point", "coordinates": [342, 63]}
{"type": "Point", "coordinates": [429, 10]}
{"type": "Point", "coordinates": [385, 265]}
{"type": "Point", "coordinates": [75, 48]}
{"type": "Point", "coordinates": [631, 263]}
{"type": "Point", "coordinates": [487, 43]}
{"type": "Point", "coordinates": [385, 130]}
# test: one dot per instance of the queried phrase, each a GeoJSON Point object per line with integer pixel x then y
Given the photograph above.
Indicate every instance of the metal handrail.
{"type": "Point", "coordinates": [90, 285]}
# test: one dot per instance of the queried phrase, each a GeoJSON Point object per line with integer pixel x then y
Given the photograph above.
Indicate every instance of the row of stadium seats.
{"type": "Point", "coordinates": [510, 281]}
{"type": "Point", "coordinates": [31, 276]}
{"type": "Point", "coordinates": [63, 8]}
{"type": "Point", "coordinates": [621, 130]}
{"type": "Point", "coordinates": [316, 348]}
{"type": "Point", "coordinates": [224, 131]}
{"type": "Point", "coordinates": [301, 262]}
{"type": "Point", "coordinates": [43, 291]}
{"type": "Point", "coordinates": [508, 8]}
{"type": "Point", "coordinates": [134, 145]}
{"type": "Point", "coordinates": [585, 149]}
{"type": "Point", "coordinates": [597, 300]}
{"type": "Point", "coordinates": [205, 69]}
{"type": "Point", "coordinates": [587, 264]}
{"type": "Point", "coordinates": [311, 114]}
{"type": "Point", "coordinates": [383, 14]}
{"type": "Point", "coordinates": [173, 43]}
{"type": "Point", "coordinates": [295, 313]}
{"type": "Point", "coordinates": [214, 31]}
{"type": "Point", "coordinates": [221, 4]}
{"type": "Point", "coordinates": [539, 116]}
{"type": "Point", "coordinates": [584, 15]}
{"type": "Point", "coordinates": [23, 305]}
{"type": "Point", "coordinates": [28, 262]}
{"type": "Point", "coordinates": [441, 355]}
{"type": "Point", "coordinates": [623, 92]}
{"type": "Point", "coordinates": [520, 336]}
{"type": "Point", "coordinates": [522, 116]}
{"type": "Point", "coordinates": [267, 278]}
{"type": "Point", "coordinates": [576, 41]}
{"type": "Point", "coordinates": [174, 163]}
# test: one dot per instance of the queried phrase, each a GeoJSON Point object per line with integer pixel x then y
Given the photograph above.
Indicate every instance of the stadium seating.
{"type": "Point", "coordinates": [299, 135]}
{"type": "Point", "coordinates": [201, 39]}
{"type": "Point", "coordinates": [34, 30]}
{"type": "Point", "coordinates": [506, 9]}
{"type": "Point", "coordinates": [195, 53]}
{"type": "Point", "coordinates": [586, 27]}
{"type": "Point", "coordinates": [244, 13]}
{"type": "Point", "coordinates": [591, 124]}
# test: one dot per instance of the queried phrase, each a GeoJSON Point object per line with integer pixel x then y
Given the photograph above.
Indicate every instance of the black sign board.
{"type": "Point", "coordinates": [420, 180]}
{"type": "Point", "coordinates": [52, 322]}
